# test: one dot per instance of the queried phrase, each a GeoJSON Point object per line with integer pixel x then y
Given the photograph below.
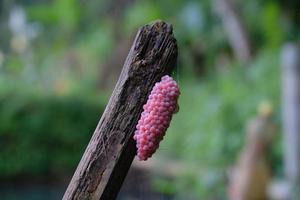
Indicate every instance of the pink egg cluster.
{"type": "Point", "coordinates": [156, 117]}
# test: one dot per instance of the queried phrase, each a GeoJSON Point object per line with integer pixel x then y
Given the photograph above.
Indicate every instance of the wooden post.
{"type": "Point", "coordinates": [291, 115]}
{"type": "Point", "coordinates": [111, 150]}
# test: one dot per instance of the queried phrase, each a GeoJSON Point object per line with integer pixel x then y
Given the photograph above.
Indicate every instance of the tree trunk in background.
{"type": "Point", "coordinates": [5, 34]}
{"type": "Point", "coordinates": [235, 29]}
{"type": "Point", "coordinates": [116, 13]}
{"type": "Point", "coordinates": [251, 175]}
{"type": "Point", "coordinates": [291, 116]}
{"type": "Point", "coordinates": [110, 70]}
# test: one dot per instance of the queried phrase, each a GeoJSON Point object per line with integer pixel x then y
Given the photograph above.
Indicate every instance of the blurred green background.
{"type": "Point", "coordinates": [59, 61]}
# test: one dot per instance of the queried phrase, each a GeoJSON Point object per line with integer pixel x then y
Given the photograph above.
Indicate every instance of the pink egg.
{"type": "Point", "coordinates": [156, 117]}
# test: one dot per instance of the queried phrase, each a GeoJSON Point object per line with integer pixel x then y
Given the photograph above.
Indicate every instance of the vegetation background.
{"type": "Point", "coordinates": [59, 60]}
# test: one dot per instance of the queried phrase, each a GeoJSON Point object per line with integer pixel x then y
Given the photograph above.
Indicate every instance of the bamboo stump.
{"type": "Point", "coordinates": [110, 152]}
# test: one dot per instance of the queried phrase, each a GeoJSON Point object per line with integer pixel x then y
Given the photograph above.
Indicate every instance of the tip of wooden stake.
{"type": "Point", "coordinates": [160, 25]}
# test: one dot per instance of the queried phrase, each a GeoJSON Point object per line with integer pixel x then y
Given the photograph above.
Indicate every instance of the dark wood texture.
{"type": "Point", "coordinates": [111, 150]}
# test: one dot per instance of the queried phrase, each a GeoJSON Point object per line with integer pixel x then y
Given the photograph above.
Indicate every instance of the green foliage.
{"type": "Point", "coordinates": [64, 13]}
{"type": "Point", "coordinates": [209, 129]}
{"type": "Point", "coordinates": [141, 13]}
{"type": "Point", "coordinates": [42, 135]}
{"type": "Point", "coordinates": [272, 25]}
{"type": "Point", "coordinates": [45, 134]}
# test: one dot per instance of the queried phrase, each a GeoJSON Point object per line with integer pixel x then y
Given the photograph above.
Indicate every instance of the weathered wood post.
{"type": "Point", "coordinates": [111, 150]}
{"type": "Point", "coordinates": [291, 116]}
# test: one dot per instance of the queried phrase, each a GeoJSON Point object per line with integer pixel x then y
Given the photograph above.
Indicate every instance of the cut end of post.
{"type": "Point", "coordinates": [162, 26]}
{"type": "Point", "coordinates": [155, 42]}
